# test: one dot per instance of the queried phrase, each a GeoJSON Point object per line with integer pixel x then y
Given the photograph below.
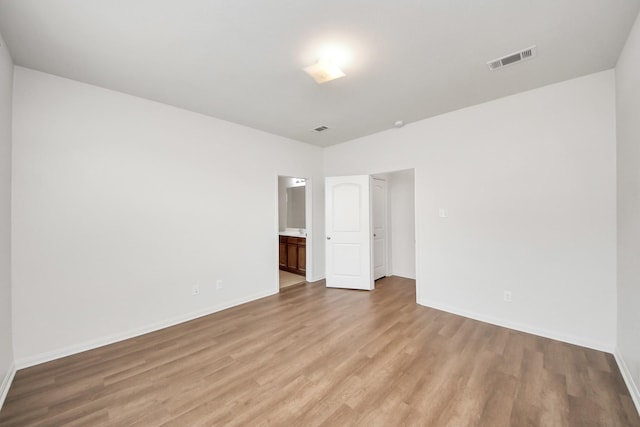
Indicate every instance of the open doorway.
{"type": "Point", "coordinates": [370, 228]}
{"type": "Point", "coordinates": [400, 251]}
{"type": "Point", "coordinates": [293, 230]}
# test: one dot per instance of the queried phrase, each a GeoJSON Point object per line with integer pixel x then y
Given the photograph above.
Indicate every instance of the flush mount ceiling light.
{"type": "Point", "coordinates": [328, 66]}
{"type": "Point", "coordinates": [323, 72]}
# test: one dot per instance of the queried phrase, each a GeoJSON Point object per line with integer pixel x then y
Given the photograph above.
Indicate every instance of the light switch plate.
{"type": "Point", "coordinates": [443, 212]}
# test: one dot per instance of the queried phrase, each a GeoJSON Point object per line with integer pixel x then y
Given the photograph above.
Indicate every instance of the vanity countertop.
{"type": "Point", "coordinates": [292, 234]}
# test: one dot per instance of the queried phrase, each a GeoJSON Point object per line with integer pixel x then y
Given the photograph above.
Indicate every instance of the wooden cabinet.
{"type": "Point", "coordinates": [293, 254]}
{"type": "Point", "coordinates": [302, 255]}
{"type": "Point", "coordinates": [283, 252]}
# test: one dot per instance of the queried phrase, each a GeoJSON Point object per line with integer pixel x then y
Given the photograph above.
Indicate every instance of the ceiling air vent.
{"type": "Point", "coordinates": [320, 129]}
{"type": "Point", "coordinates": [523, 55]}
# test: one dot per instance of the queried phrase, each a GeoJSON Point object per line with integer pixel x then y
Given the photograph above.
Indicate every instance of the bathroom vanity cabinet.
{"type": "Point", "coordinates": [293, 254]}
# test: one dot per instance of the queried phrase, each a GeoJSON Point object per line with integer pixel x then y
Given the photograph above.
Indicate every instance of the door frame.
{"type": "Point", "coordinates": [308, 210]}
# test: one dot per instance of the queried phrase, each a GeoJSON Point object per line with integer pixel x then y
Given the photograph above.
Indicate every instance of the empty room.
{"type": "Point", "coordinates": [337, 213]}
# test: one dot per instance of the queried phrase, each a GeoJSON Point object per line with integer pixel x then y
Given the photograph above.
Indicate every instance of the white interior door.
{"type": "Point", "coordinates": [348, 244]}
{"type": "Point", "coordinates": [379, 194]}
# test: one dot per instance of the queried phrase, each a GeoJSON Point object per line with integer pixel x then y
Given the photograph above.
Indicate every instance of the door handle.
{"type": "Point", "coordinates": [328, 237]}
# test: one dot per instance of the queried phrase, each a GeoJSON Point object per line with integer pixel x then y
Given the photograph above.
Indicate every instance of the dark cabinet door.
{"type": "Point", "coordinates": [293, 254]}
{"type": "Point", "coordinates": [283, 252]}
{"type": "Point", "coordinates": [302, 257]}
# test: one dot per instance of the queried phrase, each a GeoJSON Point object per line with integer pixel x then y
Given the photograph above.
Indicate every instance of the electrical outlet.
{"type": "Point", "coordinates": [195, 290]}
{"type": "Point", "coordinates": [507, 296]}
{"type": "Point", "coordinates": [218, 284]}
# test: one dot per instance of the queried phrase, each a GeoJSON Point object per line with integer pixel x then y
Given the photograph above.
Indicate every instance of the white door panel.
{"type": "Point", "coordinates": [379, 195]}
{"type": "Point", "coordinates": [348, 244]}
{"type": "Point", "coordinates": [346, 259]}
{"type": "Point", "coordinates": [347, 216]}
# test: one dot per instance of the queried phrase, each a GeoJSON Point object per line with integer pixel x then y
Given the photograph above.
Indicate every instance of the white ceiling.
{"type": "Point", "coordinates": [242, 60]}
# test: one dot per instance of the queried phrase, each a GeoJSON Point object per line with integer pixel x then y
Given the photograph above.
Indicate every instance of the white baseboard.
{"type": "Point", "coordinates": [628, 379]}
{"type": "Point", "coordinates": [608, 348]}
{"type": "Point", "coordinates": [48, 356]}
{"type": "Point", "coordinates": [6, 383]}
{"type": "Point", "coordinates": [403, 276]}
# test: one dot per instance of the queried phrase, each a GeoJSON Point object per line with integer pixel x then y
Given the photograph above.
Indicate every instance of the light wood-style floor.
{"type": "Point", "coordinates": [316, 356]}
{"type": "Point", "coordinates": [289, 279]}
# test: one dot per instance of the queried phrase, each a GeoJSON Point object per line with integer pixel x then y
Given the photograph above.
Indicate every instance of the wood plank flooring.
{"type": "Point", "coordinates": [289, 279]}
{"type": "Point", "coordinates": [312, 356]}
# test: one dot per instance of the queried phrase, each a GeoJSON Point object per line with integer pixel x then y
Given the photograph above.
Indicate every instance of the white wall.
{"type": "Point", "coordinates": [402, 223]}
{"type": "Point", "coordinates": [628, 133]}
{"type": "Point", "coordinates": [529, 182]}
{"type": "Point", "coordinates": [121, 205]}
{"type": "Point", "coordinates": [6, 346]}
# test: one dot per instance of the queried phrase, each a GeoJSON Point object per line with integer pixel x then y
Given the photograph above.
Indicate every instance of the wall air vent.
{"type": "Point", "coordinates": [513, 58]}
{"type": "Point", "coordinates": [320, 129]}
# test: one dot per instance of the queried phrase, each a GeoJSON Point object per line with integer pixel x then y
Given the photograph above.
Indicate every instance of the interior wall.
{"type": "Point", "coordinates": [529, 185]}
{"type": "Point", "coordinates": [628, 156]}
{"type": "Point", "coordinates": [402, 223]}
{"type": "Point", "coordinates": [6, 342]}
{"type": "Point", "coordinates": [122, 205]}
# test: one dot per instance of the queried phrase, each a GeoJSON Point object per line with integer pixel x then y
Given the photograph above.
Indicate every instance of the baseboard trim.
{"type": "Point", "coordinates": [317, 278]}
{"type": "Point", "coordinates": [48, 356]}
{"type": "Point", "coordinates": [628, 379]}
{"type": "Point", "coordinates": [608, 348]}
{"type": "Point", "coordinates": [6, 383]}
{"type": "Point", "coordinates": [401, 276]}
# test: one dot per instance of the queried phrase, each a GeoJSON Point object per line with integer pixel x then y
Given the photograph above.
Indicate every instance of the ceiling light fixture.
{"type": "Point", "coordinates": [328, 66]}
{"type": "Point", "coordinates": [323, 72]}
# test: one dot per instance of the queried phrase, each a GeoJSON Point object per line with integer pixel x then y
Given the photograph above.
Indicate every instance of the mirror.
{"type": "Point", "coordinates": [296, 207]}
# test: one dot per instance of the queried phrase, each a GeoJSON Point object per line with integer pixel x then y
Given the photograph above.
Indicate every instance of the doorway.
{"type": "Point", "coordinates": [401, 224]}
{"type": "Point", "coordinates": [370, 224]}
{"type": "Point", "coordinates": [294, 221]}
